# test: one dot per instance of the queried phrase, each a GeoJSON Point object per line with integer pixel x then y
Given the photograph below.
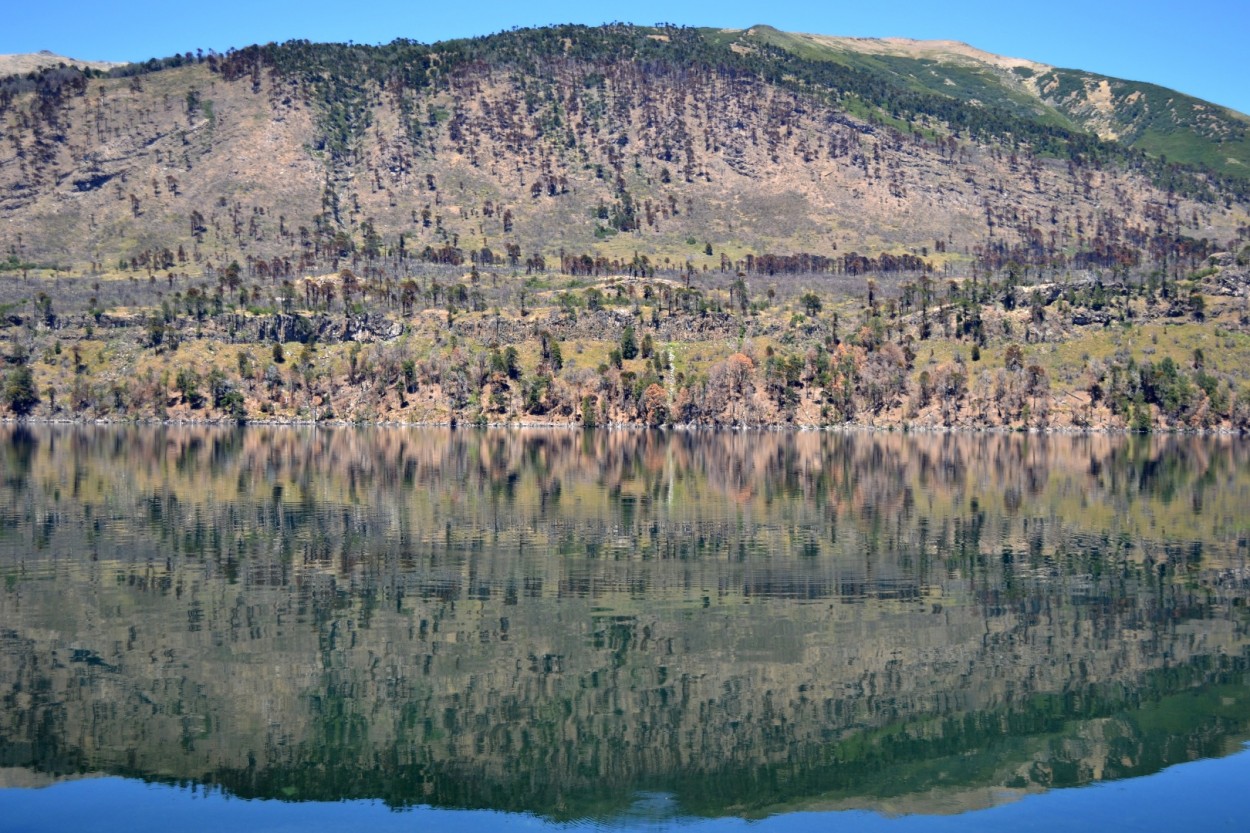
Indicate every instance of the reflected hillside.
{"type": "Point", "coordinates": [555, 621]}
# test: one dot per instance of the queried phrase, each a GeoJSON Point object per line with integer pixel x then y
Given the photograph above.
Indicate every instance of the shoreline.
{"type": "Point", "coordinates": [460, 425]}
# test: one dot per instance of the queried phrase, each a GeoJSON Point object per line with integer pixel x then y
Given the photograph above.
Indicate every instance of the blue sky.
{"type": "Point", "coordinates": [1198, 47]}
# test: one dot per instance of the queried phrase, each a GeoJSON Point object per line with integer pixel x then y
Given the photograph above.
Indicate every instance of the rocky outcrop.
{"type": "Point", "coordinates": [327, 328]}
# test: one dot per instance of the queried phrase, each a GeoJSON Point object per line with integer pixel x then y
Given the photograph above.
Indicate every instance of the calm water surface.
{"type": "Point", "coordinates": [429, 629]}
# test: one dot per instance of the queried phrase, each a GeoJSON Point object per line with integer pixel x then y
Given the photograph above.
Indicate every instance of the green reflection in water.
{"type": "Point", "coordinates": [555, 622]}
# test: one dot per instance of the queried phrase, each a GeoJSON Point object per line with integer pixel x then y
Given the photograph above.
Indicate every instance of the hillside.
{"type": "Point", "coordinates": [1143, 116]}
{"type": "Point", "coordinates": [817, 208]}
{"type": "Point", "coordinates": [610, 141]}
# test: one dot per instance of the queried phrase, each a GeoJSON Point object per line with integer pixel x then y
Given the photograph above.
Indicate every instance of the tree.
{"type": "Point", "coordinates": [233, 277]}
{"type": "Point", "coordinates": [1013, 359]}
{"type": "Point", "coordinates": [552, 356]}
{"type": "Point", "coordinates": [408, 295]}
{"type": "Point", "coordinates": [506, 363]}
{"type": "Point", "coordinates": [629, 344]}
{"type": "Point", "coordinates": [43, 309]}
{"type": "Point", "coordinates": [188, 384]}
{"type": "Point", "coordinates": [372, 247]}
{"type": "Point", "coordinates": [19, 390]}
{"type": "Point", "coordinates": [512, 362]}
{"type": "Point", "coordinates": [655, 405]}
{"type": "Point", "coordinates": [811, 303]}
{"type": "Point", "coordinates": [1197, 305]}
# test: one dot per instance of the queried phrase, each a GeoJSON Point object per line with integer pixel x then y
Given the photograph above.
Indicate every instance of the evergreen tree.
{"type": "Point", "coordinates": [19, 390]}
{"type": "Point", "coordinates": [629, 344]}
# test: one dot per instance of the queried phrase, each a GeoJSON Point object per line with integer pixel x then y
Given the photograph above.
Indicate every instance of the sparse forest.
{"type": "Point", "coordinates": [620, 225]}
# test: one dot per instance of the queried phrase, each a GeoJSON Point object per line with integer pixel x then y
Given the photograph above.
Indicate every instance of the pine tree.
{"type": "Point", "coordinates": [629, 345]}
{"type": "Point", "coordinates": [19, 390]}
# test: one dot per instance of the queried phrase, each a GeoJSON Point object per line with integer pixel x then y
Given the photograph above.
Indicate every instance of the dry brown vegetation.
{"type": "Point", "coordinates": [592, 240]}
{"type": "Point", "coordinates": [184, 169]}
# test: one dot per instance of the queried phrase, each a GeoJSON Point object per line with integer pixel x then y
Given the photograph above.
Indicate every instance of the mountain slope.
{"type": "Point", "coordinates": [689, 148]}
{"type": "Point", "coordinates": [720, 231]}
{"type": "Point", "coordinates": [1157, 120]}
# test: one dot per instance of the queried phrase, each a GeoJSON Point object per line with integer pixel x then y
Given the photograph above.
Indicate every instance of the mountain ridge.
{"type": "Point", "coordinates": [24, 62]}
{"type": "Point", "coordinates": [1110, 107]}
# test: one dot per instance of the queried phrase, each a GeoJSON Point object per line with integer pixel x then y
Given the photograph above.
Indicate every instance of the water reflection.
{"type": "Point", "coordinates": [560, 623]}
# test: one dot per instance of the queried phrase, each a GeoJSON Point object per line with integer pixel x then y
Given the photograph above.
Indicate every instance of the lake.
{"type": "Point", "coordinates": [386, 628]}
